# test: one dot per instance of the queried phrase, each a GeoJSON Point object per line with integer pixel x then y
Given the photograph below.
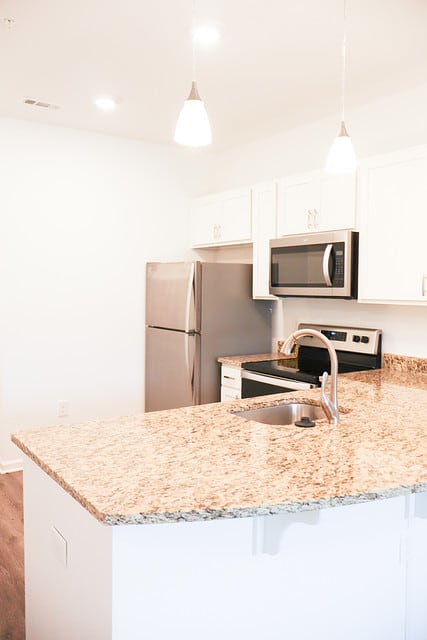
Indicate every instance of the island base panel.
{"type": "Point", "coordinates": [67, 564]}
{"type": "Point", "coordinates": [353, 571]}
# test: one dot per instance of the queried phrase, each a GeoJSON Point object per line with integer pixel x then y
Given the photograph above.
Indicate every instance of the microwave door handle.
{"type": "Point", "coordinates": [326, 256]}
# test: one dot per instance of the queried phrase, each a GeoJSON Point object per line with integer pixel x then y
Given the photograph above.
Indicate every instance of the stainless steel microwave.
{"type": "Point", "coordinates": [315, 265]}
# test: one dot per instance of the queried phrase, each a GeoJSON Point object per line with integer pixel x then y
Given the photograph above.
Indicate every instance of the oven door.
{"type": "Point", "coordinates": [256, 384]}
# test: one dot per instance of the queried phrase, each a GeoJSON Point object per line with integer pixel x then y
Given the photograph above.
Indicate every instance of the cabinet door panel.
{"type": "Point", "coordinates": [205, 222]}
{"type": "Point", "coordinates": [221, 219]}
{"type": "Point", "coordinates": [337, 203]}
{"type": "Point", "coordinates": [393, 224]}
{"type": "Point", "coordinates": [317, 201]}
{"type": "Point", "coordinates": [300, 196]}
{"type": "Point", "coordinates": [236, 221]}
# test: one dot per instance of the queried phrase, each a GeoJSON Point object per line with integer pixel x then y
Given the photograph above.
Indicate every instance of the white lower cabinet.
{"type": "Point", "coordinates": [393, 228]}
{"type": "Point", "coordinates": [231, 383]}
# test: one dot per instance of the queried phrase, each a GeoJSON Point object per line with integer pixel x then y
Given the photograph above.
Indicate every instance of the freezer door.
{"type": "Point", "coordinates": [171, 369]}
{"type": "Point", "coordinates": [172, 294]}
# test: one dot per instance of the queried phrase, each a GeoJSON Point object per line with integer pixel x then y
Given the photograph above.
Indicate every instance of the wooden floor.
{"type": "Point", "coordinates": [12, 622]}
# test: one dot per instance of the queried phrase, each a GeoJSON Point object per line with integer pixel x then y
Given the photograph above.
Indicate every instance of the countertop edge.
{"type": "Point", "coordinates": [238, 361]}
{"type": "Point", "coordinates": [65, 486]}
{"type": "Point", "coordinates": [205, 515]}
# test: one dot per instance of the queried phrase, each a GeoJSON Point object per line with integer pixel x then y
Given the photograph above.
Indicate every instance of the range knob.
{"type": "Point", "coordinates": [365, 339]}
{"type": "Point", "coordinates": [357, 339]}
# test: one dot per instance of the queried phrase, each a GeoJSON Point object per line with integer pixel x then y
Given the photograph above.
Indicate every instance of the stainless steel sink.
{"type": "Point", "coordinates": [284, 414]}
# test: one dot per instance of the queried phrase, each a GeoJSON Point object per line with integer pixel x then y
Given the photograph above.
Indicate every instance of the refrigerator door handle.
{"type": "Point", "coordinates": [189, 311]}
{"type": "Point", "coordinates": [190, 356]}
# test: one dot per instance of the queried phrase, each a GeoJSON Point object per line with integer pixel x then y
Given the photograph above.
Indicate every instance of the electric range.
{"type": "Point", "coordinates": [357, 348]}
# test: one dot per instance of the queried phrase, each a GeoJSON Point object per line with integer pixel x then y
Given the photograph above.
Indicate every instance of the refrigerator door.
{"type": "Point", "coordinates": [172, 294]}
{"type": "Point", "coordinates": [172, 369]}
{"type": "Point", "coordinates": [231, 322]}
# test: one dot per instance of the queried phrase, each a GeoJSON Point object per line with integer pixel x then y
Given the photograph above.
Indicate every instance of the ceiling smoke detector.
{"type": "Point", "coordinates": [33, 102]}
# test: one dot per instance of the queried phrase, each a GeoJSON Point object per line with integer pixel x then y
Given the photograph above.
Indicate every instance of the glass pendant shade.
{"type": "Point", "coordinates": [341, 157]}
{"type": "Point", "coordinates": [193, 128]}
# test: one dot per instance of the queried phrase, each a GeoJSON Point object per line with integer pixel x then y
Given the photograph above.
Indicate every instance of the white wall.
{"type": "Point", "coordinates": [403, 326]}
{"type": "Point", "coordinates": [395, 122]}
{"type": "Point", "coordinates": [80, 214]}
{"type": "Point", "coordinates": [392, 123]}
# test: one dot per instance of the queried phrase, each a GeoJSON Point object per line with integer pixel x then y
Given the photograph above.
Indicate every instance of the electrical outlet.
{"type": "Point", "coordinates": [63, 409]}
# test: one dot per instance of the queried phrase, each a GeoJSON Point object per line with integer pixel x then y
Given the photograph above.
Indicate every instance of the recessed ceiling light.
{"type": "Point", "coordinates": [106, 103]}
{"type": "Point", "coordinates": [206, 35]}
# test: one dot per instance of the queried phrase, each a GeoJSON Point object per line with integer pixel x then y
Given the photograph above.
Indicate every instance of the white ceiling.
{"type": "Point", "coordinates": [277, 63]}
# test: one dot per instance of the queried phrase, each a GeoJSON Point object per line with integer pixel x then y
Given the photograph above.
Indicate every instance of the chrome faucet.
{"type": "Point", "coordinates": [329, 405]}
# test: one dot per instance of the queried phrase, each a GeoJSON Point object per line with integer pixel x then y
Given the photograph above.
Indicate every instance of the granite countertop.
{"type": "Point", "coordinates": [237, 361]}
{"type": "Point", "coordinates": [203, 463]}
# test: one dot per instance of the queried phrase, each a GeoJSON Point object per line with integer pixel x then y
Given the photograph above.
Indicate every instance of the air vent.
{"type": "Point", "coordinates": [33, 102]}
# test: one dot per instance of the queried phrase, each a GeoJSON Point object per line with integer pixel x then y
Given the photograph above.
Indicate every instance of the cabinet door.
{"type": "Point", "coordinates": [231, 383]}
{"type": "Point", "coordinates": [337, 209]}
{"type": "Point", "coordinates": [236, 223]}
{"type": "Point", "coordinates": [231, 377]}
{"type": "Point", "coordinates": [222, 219]}
{"type": "Point", "coordinates": [205, 218]}
{"type": "Point", "coordinates": [299, 197]}
{"type": "Point", "coordinates": [264, 220]}
{"type": "Point", "coordinates": [228, 394]}
{"type": "Point", "coordinates": [317, 201]}
{"type": "Point", "coordinates": [393, 198]}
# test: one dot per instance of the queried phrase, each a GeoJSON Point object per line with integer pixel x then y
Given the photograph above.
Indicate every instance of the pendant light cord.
{"type": "Point", "coordinates": [193, 40]}
{"type": "Point", "coordinates": [344, 44]}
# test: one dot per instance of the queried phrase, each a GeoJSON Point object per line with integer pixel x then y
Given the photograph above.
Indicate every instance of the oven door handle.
{"type": "Point", "coordinates": [326, 256]}
{"type": "Point", "coordinates": [284, 383]}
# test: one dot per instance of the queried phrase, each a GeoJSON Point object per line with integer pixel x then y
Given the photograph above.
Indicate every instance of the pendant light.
{"type": "Point", "coordinates": [193, 128]}
{"type": "Point", "coordinates": [341, 157]}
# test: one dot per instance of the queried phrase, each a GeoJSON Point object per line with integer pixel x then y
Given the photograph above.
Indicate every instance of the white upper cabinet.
{"type": "Point", "coordinates": [393, 227]}
{"type": "Point", "coordinates": [222, 219]}
{"type": "Point", "coordinates": [316, 201]}
{"type": "Point", "coordinates": [264, 220]}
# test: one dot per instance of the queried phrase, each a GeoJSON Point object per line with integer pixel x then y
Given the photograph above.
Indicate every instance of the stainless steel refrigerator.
{"type": "Point", "coordinates": [195, 312]}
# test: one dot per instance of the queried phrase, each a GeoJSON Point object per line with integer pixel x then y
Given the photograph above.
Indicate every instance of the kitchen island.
{"type": "Point", "coordinates": [196, 523]}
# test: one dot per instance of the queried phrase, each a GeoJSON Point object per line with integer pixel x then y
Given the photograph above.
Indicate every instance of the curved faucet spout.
{"type": "Point", "coordinates": [329, 404]}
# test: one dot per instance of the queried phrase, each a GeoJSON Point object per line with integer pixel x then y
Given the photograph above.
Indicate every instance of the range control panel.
{"type": "Point", "coordinates": [354, 339]}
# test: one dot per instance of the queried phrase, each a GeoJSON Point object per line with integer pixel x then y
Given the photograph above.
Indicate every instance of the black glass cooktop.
{"type": "Point", "coordinates": [281, 369]}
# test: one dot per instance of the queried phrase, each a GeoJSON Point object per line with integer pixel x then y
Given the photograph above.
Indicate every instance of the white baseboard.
{"type": "Point", "coordinates": [7, 466]}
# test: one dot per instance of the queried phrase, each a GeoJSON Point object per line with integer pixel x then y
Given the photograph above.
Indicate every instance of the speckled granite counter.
{"type": "Point", "coordinates": [237, 361]}
{"type": "Point", "coordinates": [202, 463]}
